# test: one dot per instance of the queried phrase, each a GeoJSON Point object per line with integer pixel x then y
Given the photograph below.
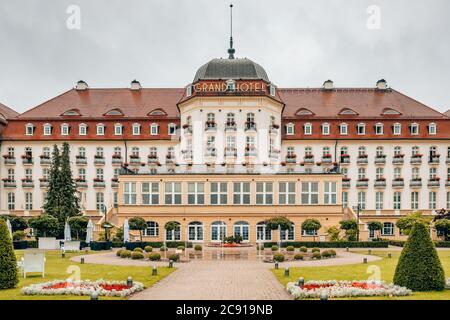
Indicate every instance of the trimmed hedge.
{"type": "Point", "coordinates": [9, 276]}
{"type": "Point", "coordinates": [24, 244]}
{"type": "Point", "coordinates": [331, 244]}
{"type": "Point", "coordinates": [100, 245]}
{"type": "Point", "coordinates": [157, 244]}
{"type": "Point", "coordinates": [438, 244]}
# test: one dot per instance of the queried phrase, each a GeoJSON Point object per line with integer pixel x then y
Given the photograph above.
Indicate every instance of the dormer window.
{"type": "Point", "coordinates": [82, 129]}
{"type": "Point", "coordinates": [361, 128]}
{"type": "Point", "coordinates": [64, 129]}
{"type": "Point", "coordinates": [432, 128]}
{"type": "Point", "coordinates": [118, 129]}
{"type": "Point", "coordinates": [100, 129]}
{"type": "Point", "coordinates": [72, 112]}
{"type": "Point", "coordinates": [272, 90]}
{"type": "Point", "coordinates": [414, 129]}
{"type": "Point", "coordinates": [326, 129]}
{"type": "Point", "coordinates": [29, 129]}
{"type": "Point", "coordinates": [290, 129]}
{"type": "Point", "coordinates": [136, 129]}
{"type": "Point", "coordinates": [397, 129]}
{"type": "Point", "coordinates": [47, 129]}
{"type": "Point", "coordinates": [343, 129]}
{"type": "Point", "coordinates": [348, 112]}
{"type": "Point", "coordinates": [172, 129]}
{"type": "Point", "coordinates": [114, 112]}
{"type": "Point", "coordinates": [379, 129]}
{"type": "Point", "coordinates": [231, 85]}
{"type": "Point", "coordinates": [307, 129]}
{"type": "Point", "coordinates": [154, 129]}
{"type": "Point", "coordinates": [189, 91]}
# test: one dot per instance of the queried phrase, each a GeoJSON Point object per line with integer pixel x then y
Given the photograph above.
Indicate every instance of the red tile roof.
{"type": "Point", "coordinates": [447, 113]}
{"type": "Point", "coordinates": [95, 103]}
{"type": "Point", "coordinates": [7, 112]}
{"type": "Point", "coordinates": [367, 103]}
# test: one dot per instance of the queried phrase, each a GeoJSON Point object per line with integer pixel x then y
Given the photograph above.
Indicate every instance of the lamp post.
{"type": "Point", "coordinates": [103, 208]}
{"type": "Point", "coordinates": [358, 209]}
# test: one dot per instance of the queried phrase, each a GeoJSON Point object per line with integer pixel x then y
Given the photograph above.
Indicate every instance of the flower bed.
{"type": "Point", "coordinates": [83, 288]}
{"type": "Point", "coordinates": [342, 289]}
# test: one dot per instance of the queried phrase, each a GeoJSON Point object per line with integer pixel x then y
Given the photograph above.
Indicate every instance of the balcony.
{"type": "Point", "coordinates": [210, 126]}
{"type": "Point", "coordinates": [398, 159]}
{"type": "Point", "coordinates": [187, 154]}
{"type": "Point", "coordinates": [9, 183]}
{"type": "Point", "coordinates": [116, 160]}
{"type": "Point", "coordinates": [230, 127]}
{"type": "Point", "coordinates": [362, 183]}
{"type": "Point", "coordinates": [327, 159]}
{"type": "Point", "coordinates": [152, 159]}
{"type": "Point", "coordinates": [362, 159]}
{"type": "Point", "coordinates": [291, 158]}
{"type": "Point", "coordinates": [170, 159]}
{"type": "Point", "coordinates": [250, 126]}
{"type": "Point", "coordinates": [434, 183]}
{"type": "Point", "coordinates": [415, 183]}
{"type": "Point", "coordinates": [81, 160]}
{"type": "Point", "coordinates": [81, 183]}
{"type": "Point", "coordinates": [398, 183]}
{"type": "Point", "coordinates": [43, 183]}
{"type": "Point", "coordinates": [250, 152]}
{"type": "Point", "coordinates": [99, 160]}
{"type": "Point", "coordinates": [380, 183]}
{"type": "Point", "coordinates": [380, 159]}
{"type": "Point", "coordinates": [273, 129]}
{"type": "Point", "coordinates": [45, 160]}
{"type": "Point", "coordinates": [308, 159]}
{"type": "Point", "coordinates": [346, 183]}
{"type": "Point", "coordinates": [274, 154]}
{"type": "Point", "coordinates": [434, 159]}
{"type": "Point", "coordinates": [187, 129]}
{"type": "Point", "coordinates": [27, 183]}
{"type": "Point", "coordinates": [9, 160]}
{"type": "Point", "coordinates": [345, 159]}
{"type": "Point", "coordinates": [99, 183]}
{"type": "Point", "coordinates": [230, 152]}
{"type": "Point", "coordinates": [447, 161]}
{"type": "Point", "coordinates": [416, 159]}
{"type": "Point", "coordinates": [447, 182]}
{"type": "Point", "coordinates": [27, 160]}
{"type": "Point", "coordinates": [135, 159]}
{"type": "Point", "coordinates": [114, 182]}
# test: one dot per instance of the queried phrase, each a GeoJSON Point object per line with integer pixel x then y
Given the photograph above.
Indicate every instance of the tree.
{"type": "Point", "coordinates": [405, 224]}
{"type": "Point", "coordinates": [51, 201]}
{"type": "Point", "coordinates": [351, 228]}
{"type": "Point", "coordinates": [333, 233]}
{"type": "Point", "coordinates": [137, 223]}
{"type": "Point", "coordinates": [78, 226]}
{"type": "Point", "coordinates": [275, 222]}
{"type": "Point", "coordinates": [118, 236]}
{"type": "Point", "coordinates": [419, 267]}
{"type": "Point", "coordinates": [8, 264]}
{"type": "Point", "coordinates": [374, 225]}
{"type": "Point", "coordinates": [311, 225]}
{"type": "Point", "coordinates": [443, 225]}
{"type": "Point", "coordinates": [45, 225]}
{"type": "Point", "coordinates": [17, 223]}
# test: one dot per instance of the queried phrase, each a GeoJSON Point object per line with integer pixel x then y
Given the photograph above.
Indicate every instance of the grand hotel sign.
{"type": "Point", "coordinates": [230, 85]}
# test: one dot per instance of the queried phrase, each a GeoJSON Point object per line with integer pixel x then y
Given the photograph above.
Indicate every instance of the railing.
{"type": "Point", "coordinates": [45, 160]}
{"type": "Point", "coordinates": [230, 152]}
{"type": "Point", "coordinates": [362, 160]}
{"type": "Point", "coordinates": [398, 159]}
{"type": "Point", "coordinates": [398, 183]}
{"type": "Point", "coordinates": [98, 183]}
{"type": "Point", "coordinates": [434, 183]}
{"type": "Point", "coordinates": [43, 183]}
{"type": "Point", "coordinates": [81, 183]}
{"type": "Point", "coordinates": [81, 160]}
{"type": "Point", "coordinates": [380, 159]}
{"type": "Point", "coordinates": [362, 183]}
{"type": "Point", "coordinates": [27, 183]}
{"type": "Point", "coordinates": [346, 183]}
{"type": "Point", "coordinates": [416, 159]}
{"type": "Point", "coordinates": [9, 183]}
{"type": "Point", "coordinates": [9, 159]}
{"type": "Point", "coordinates": [27, 160]}
{"type": "Point", "coordinates": [308, 159]}
{"type": "Point", "coordinates": [230, 126]}
{"type": "Point", "coordinates": [414, 183]}
{"type": "Point", "coordinates": [345, 159]}
{"type": "Point", "coordinates": [434, 159]}
{"type": "Point", "coordinates": [250, 126]}
{"type": "Point", "coordinates": [380, 183]}
{"type": "Point", "coordinates": [135, 159]}
{"type": "Point", "coordinates": [116, 160]}
{"type": "Point", "coordinates": [292, 158]}
{"type": "Point", "coordinates": [99, 160]}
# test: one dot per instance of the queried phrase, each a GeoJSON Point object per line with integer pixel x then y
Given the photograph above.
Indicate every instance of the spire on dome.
{"type": "Point", "coordinates": [231, 50]}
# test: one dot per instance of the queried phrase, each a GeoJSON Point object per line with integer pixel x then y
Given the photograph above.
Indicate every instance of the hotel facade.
{"type": "Point", "coordinates": [231, 149]}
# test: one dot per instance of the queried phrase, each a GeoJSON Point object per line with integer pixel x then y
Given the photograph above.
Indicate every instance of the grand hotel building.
{"type": "Point", "coordinates": [230, 150]}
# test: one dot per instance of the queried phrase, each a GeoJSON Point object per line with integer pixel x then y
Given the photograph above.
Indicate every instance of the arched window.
{"type": "Point", "coordinates": [388, 229]}
{"type": "Point", "coordinates": [152, 229]}
{"type": "Point", "coordinates": [414, 129]}
{"type": "Point", "coordinates": [174, 234]}
{"type": "Point", "coordinates": [288, 235]}
{"type": "Point", "coordinates": [397, 128]}
{"type": "Point", "coordinates": [241, 228]}
{"type": "Point", "coordinates": [64, 129]}
{"type": "Point", "coordinates": [154, 129]}
{"type": "Point", "coordinates": [82, 129]}
{"type": "Point", "coordinates": [325, 128]}
{"type": "Point", "coordinates": [118, 151]}
{"type": "Point", "coordinates": [397, 150]}
{"type": "Point", "coordinates": [307, 129]}
{"type": "Point", "coordinates": [432, 128]}
{"type": "Point", "coordinates": [361, 128]}
{"type": "Point", "coordinates": [290, 129]}
{"type": "Point", "coordinates": [263, 233]}
{"type": "Point", "coordinates": [47, 129]}
{"type": "Point", "coordinates": [379, 151]}
{"type": "Point", "coordinates": [195, 231]}
{"type": "Point", "coordinates": [218, 231]}
{"type": "Point", "coordinates": [361, 151]}
{"type": "Point", "coordinates": [343, 129]}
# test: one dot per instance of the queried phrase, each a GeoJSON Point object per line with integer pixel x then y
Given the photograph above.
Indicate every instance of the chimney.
{"type": "Point", "coordinates": [81, 86]}
{"type": "Point", "coordinates": [382, 84]}
{"type": "Point", "coordinates": [328, 85]}
{"type": "Point", "coordinates": [135, 85]}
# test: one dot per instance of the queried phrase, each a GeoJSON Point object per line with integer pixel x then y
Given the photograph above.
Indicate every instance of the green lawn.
{"type": "Point", "coordinates": [360, 272]}
{"type": "Point", "coordinates": [56, 268]}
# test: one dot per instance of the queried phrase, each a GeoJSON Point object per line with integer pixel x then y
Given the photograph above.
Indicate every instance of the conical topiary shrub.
{"type": "Point", "coordinates": [8, 263]}
{"type": "Point", "coordinates": [419, 267]}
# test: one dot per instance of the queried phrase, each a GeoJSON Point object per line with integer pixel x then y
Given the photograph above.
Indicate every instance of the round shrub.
{"type": "Point", "coordinates": [303, 249]}
{"type": "Point", "coordinates": [125, 254]}
{"type": "Point", "coordinates": [419, 267]}
{"type": "Point", "coordinates": [118, 252]}
{"type": "Point", "coordinates": [155, 256]}
{"type": "Point", "coordinates": [174, 257]}
{"type": "Point", "coordinates": [279, 257]}
{"type": "Point", "coordinates": [180, 248]}
{"type": "Point", "coordinates": [18, 235]}
{"type": "Point", "coordinates": [138, 249]}
{"type": "Point", "coordinates": [290, 248]}
{"type": "Point", "coordinates": [136, 255]}
{"type": "Point", "coordinates": [326, 254]}
{"type": "Point", "coordinates": [8, 264]}
{"type": "Point", "coordinates": [316, 255]}
{"type": "Point", "coordinates": [298, 256]}
{"type": "Point", "coordinates": [148, 249]}
{"type": "Point", "coordinates": [274, 248]}
{"type": "Point", "coordinates": [198, 247]}
{"type": "Point", "coordinates": [315, 250]}
{"type": "Point", "coordinates": [332, 252]}
{"type": "Point", "coordinates": [162, 248]}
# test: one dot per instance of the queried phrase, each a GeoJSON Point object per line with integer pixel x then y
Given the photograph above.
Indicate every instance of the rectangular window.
{"type": "Point", "coordinates": [154, 129]}
{"type": "Point", "coordinates": [28, 201]}
{"type": "Point", "coordinates": [448, 200]}
{"type": "Point", "coordinates": [326, 129]}
{"type": "Point", "coordinates": [414, 200]}
{"type": "Point", "coordinates": [241, 193]}
{"type": "Point", "coordinates": [64, 130]}
{"type": "Point", "coordinates": [310, 193]}
{"type": "Point", "coordinates": [362, 200]}
{"type": "Point", "coordinates": [379, 200]}
{"type": "Point", "coordinates": [152, 229]}
{"type": "Point", "coordinates": [286, 193]}
{"type": "Point", "coordinates": [172, 193]}
{"type": "Point", "coordinates": [118, 129]}
{"type": "Point", "coordinates": [330, 193]}
{"type": "Point", "coordinates": [99, 201]}
{"type": "Point", "coordinates": [290, 129]}
{"type": "Point", "coordinates": [264, 193]}
{"type": "Point", "coordinates": [116, 199]}
{"type": "Point", "coordinates": [397, 200]}
{"type": "Point", "coordinates": [129, 194]}
{"type": "Point", "coordinates": [343, 129]}
{"type": "Point", "coordinates": [345, 199]}
{"type": "Point", "coordinates": [47, 130]}
{"type": "Point", "coordinates": [136, 129]}
{"type": "Point", "coordinates": [218, 193]}
{"type": "Point", "coordinates": [100, 130]}
{"type": "Point", "coordinates": [196, 193]}
{"type": "Point", "coordinates": [150, 193]}
{"type": "Point", "coordinates": [432, 196]}
{"type": "Point", "coordinates": [172, 129]}
{"type": "Point", "coordinates": [82, 130]}
{"type": "Point", "coordinates": [11, 201]}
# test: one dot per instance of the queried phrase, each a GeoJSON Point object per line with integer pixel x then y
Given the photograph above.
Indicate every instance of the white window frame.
{"type": "Point", "coordinates": [240, 196]}
{"type": "Point", "coordinates": [414, 129]}
{"type": "Point", "coordinates": [47, 129]}
{"type": "Point", "coordinates": [415, 200]}
{"type": "Point", "coordinates": [432, 128]}
{"type": "Point", "coordinates": [196, 193]}
{"type": "Point", "coordinates": [173, 193]}
{"type": "Point", "coordinates": [379, 129]}
{"type": "Point", "coordinates": [309, 195]}
{"type": "Point", "coordinates": [432, 200]}
{"type": "Point", "coordinates": [343, 126]}
{"type": "Point", "coordinates": [362, 199]}
{"type": "Point", "coordinates": [100, 129]}
{"type": "Point", "coordinates": [64, 129]}
{"type": "Point", "coordinates": [136, 129]}
{"type": "Point", "coordinates": [290, 129]}
{"type": "Point", "coordinates": [152, 229]}
{"type": "Point", "coordinates": [28, 201]}
{"type": "Point", "coordinates": [387, 226]}
{"type": "Point", "coordinates": [129, 193]}
{"type": "Point", "coordinates": [397, 200]}
{"type": "Point", "coordinates": [172, 129]}
{"type": "Point", "coordinates": [363, 126]}
{"type": "Point", "coordinates": [82, 129]}
{"type": "Point", "coordinates": [330, 192]}
{"type": "Point", "coordinates": [307, 129]}
{"type": "Point", "coordinates": [29, 129]}
{"type": "Point", "coordinates": [118, 129]}
{"type": "Point", "coordinates": [325, 129]}
{"type": "Point", "coordinates": [265, 195]}
{"type": "Point", "coordinates": [154, 129]}
{"type": "Point", "coordinates": [379, 200]}
{"type": "Point", "coordinates": [150, 193]}
{"type": "Point", "coordinates": [397, 129]}
{"type": "Point", "coordinates": [288, 196]}
{"type": "Point", "coordinates": [219, 193]}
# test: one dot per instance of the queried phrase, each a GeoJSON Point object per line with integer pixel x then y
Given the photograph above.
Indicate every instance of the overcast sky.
{"type": "Point", "coordinates": [161, 43]}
